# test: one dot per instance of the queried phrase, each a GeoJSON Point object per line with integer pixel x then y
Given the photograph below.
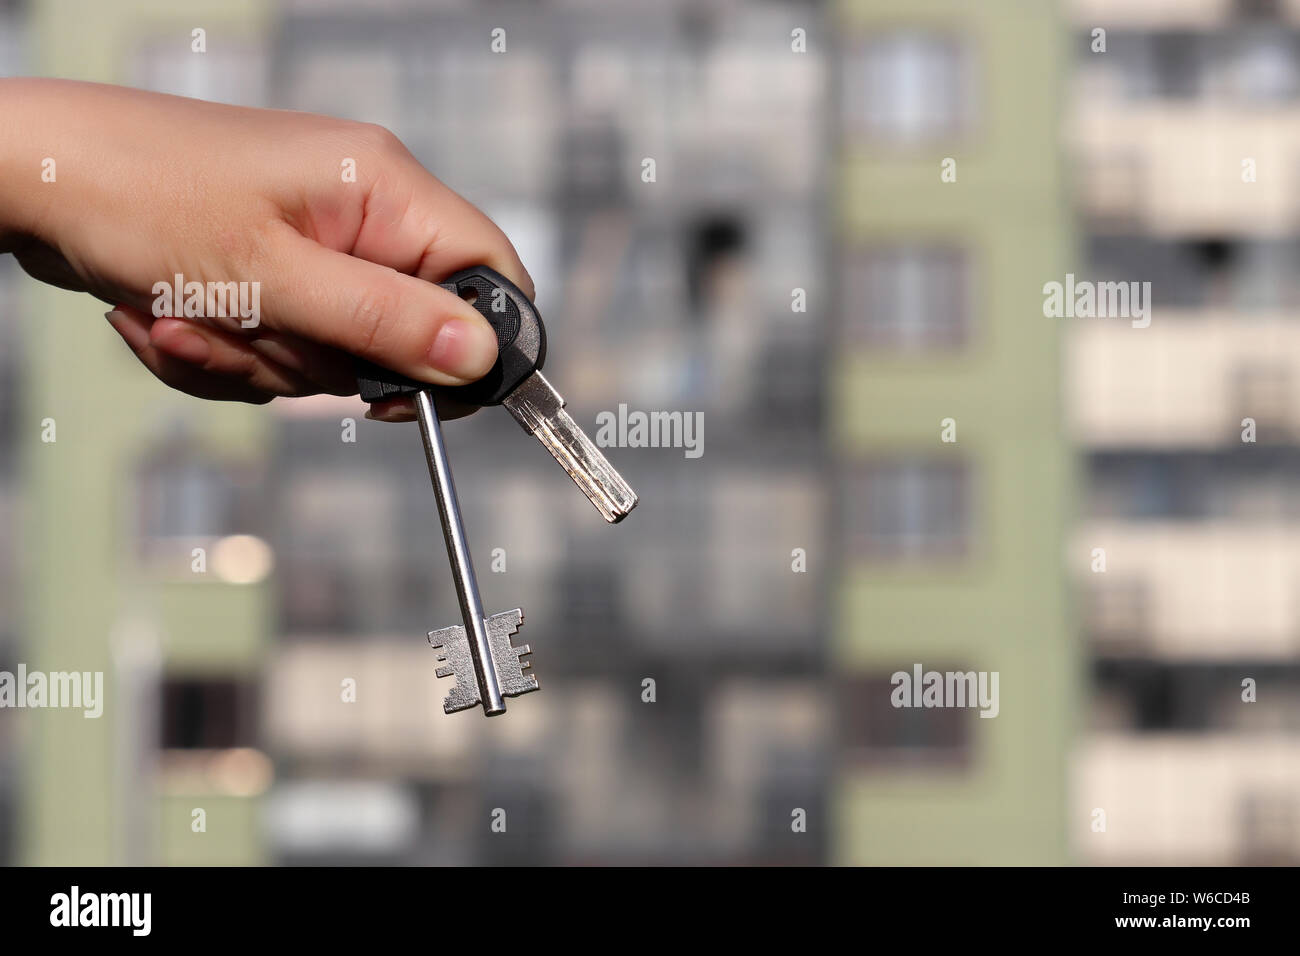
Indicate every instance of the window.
{"type": "Point", "coordinates": [207, 713]}
{"type": "Point", "coordinates": [909, 509]}
{"type": "Point", "coordinates": [181, 493]}
{"type": "Point", "coordinates": [1177, 64]}
{"type": "Point", "coordinates": [345, 564]}
{"type": "Point", "coordinates": [1257, 9]}
{"type": "Point", "coordinates": [875, 731]}
{"type": "Point", "coordinates": [910, 87]}
{"type": "Point", "coordinates": [184, 498]}
{"type": "Point", "coordinates": [1263, 66]}
{"type": "Point", "coordinates": [713, 243]}
{"type": "Point", "coordinates": [909, 298]}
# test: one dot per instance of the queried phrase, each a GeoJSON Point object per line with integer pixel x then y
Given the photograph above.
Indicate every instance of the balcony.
{"type": "Point", "coordinates": [1186, 382]}
{"type": "Point", "coordinates": [1177, 590]}
{"type": "Point", "coordinates": [395, 719]}
{"type": "Point", "coordinates": [1175, 168]}
{"type": "Point", "coordinates": [1176, 14]}
{"type": "Point", "coordinates": [1177, 799]}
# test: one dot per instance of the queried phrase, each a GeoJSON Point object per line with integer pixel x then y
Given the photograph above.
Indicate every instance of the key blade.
{"type": "Point", "coordinates": [539, 408]}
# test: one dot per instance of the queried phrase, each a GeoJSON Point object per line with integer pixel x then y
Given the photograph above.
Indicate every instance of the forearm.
{"type": "Point", "coordinates": [67, 150]}
{"type": "Point", "coordinates": [29, 157]}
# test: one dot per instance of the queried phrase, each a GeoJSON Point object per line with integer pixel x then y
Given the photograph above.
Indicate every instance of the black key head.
{"type": "Point", "coordinates": [521, 344]}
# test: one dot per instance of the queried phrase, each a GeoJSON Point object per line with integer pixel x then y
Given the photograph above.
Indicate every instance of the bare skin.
{"type": "Point", "coordinates": [149, 186]}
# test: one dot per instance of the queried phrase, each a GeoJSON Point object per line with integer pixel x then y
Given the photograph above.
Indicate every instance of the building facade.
{"type": "Point", "coordinates": [954, 480]}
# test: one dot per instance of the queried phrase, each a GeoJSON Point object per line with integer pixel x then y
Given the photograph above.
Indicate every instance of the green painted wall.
{"type": "Point", "coordinates": [81, 573]}
{"type": "Point", "coordinates": [1004, 607]}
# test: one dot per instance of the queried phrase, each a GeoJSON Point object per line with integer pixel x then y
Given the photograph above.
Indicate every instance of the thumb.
{"type": "Point", "coordinates": [394, 320]}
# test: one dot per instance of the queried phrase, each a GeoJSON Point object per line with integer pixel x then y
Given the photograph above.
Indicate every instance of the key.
{"type": "Point", "coordinates": [516, 381]}
{"type": "Point", "coordinates": [479, 655]}
{"type": "Point", "coordinates": [487, 668]}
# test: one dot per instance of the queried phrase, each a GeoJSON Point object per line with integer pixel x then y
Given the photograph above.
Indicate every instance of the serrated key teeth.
{"type": "Point", "coordinates": [527, 685]}
{"type": "Point", "coordinates": [510, 669]}
{"type": "Point", "coordinates": [454, 702]}
{"type": "Point", "coordinates": [438, 639]}
{"type": "Point", "coordinates": [454, 660]}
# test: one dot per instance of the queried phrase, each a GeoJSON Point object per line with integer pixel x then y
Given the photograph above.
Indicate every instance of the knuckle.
{"type": "Point", "coordinates": [379, 140]}
{"type": "Point", "coordinates": [369, 318]}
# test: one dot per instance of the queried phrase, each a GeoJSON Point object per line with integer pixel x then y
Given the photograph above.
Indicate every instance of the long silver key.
{"type": "Point", "coordinates": [479, 655]}
{"type": "Point", "coordinates": [516, 382]}
{"type": "Point", "coordinates": [487, 667]}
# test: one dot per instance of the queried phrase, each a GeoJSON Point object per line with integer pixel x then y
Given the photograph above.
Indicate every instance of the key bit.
{"type": "Point", "coordinates": [507, 660]}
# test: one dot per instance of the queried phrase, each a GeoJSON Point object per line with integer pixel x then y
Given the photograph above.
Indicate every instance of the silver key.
{"type": "Point", "coordinates": [539, 408]}
{"type": "Point", "coordinates": [486, 667]}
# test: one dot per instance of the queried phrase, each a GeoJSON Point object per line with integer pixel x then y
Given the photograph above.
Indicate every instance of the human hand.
{"type": "Point", "coordinates": [150, 186]}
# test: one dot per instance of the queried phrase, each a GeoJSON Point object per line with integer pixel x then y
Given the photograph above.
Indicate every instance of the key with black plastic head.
{"type": "Point", "coordinates": [516, 381]}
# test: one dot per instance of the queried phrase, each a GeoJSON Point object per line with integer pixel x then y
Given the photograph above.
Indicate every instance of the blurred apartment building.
{"type": "Point", "coordinates": [670, 294]}
{"type": "Point", "coordinates": [950, 214]}
{"type": "Point", "coordinates": [137, 485]}
{"type": "Point", "coordinates": [11, 61]}
{"type": "Point", "coordinates": [10, 497]}
{"type": "Point", "coordinates": [1184, 135]}
{"type": "Point", "coordinates": [324, 559]}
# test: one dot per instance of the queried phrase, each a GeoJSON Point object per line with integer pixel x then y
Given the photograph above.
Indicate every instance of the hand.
{"type": "Point", "coordinates": [149, 186]}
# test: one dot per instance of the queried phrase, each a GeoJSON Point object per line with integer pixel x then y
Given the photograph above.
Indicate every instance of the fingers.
{"type": "Point", "coordinates": [333, 371]}
{"type": "Point", "coordinates": [403, 409]}
{"type": "Point", "coordinates": [135, 329]}
{"type": "Point", "coordinates": [223, 354]}
{"type": "Point", "coordinates": [392, 410]}
{"type": "Point", "coordinates": [280, 363]}
{"type": "Point", "coordinates": [209, 363]}
{"type": "Point", "coordinates": [397, 321]}
{"type": "Point", "coordinates": [275, 365]}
